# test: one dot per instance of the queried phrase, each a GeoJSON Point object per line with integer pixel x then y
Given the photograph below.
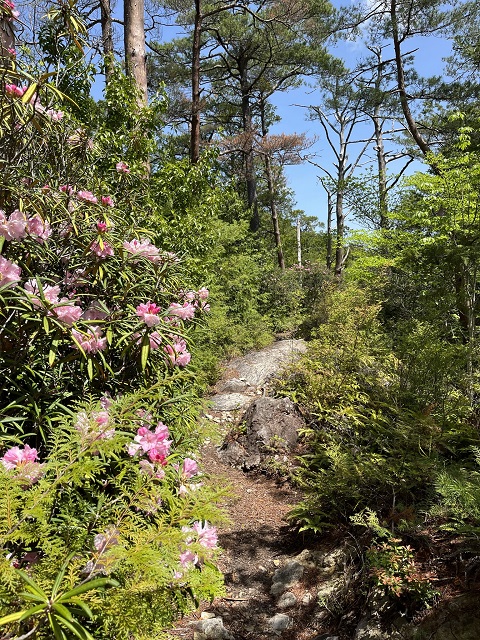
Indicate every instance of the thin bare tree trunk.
{"type": "Point", "coordinates": [329, 230]}
{"type": "Point", "coordinates": [135, 53]}
{"type": "Point", "coordinates": [299, 242]}
{"type": "Point", "coordinates": [250, 178]}
{"type": "Point", "coordinates": [196, 46]}
{"type": "Point", "coordinates": [107, 37]}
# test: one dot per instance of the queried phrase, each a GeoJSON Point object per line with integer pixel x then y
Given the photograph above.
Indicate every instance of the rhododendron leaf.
{"type": "Point", "coordinates": [30, 92]}
{"type": "Point", "coordinates": [63, 611]}
{"type": "Point", "coordinates": [57, 629]}
{"type": "Point", "coordinates": [51, 357]}
{"type": "Point", "coordinates": [90, 368]}
{"type": "Point", "coordinates": [31, 596]}
{"type": "Point", "coordinates": [59, 576]}
{"type": "Point", "coordinates": [88, 586]}
{"type": "Point", "coordinates": [77, 629]}
{"type": "Point", "coordinates": [145, 352]}
{"type": "Point", "coordinates": [46, 324]}
{"type": "Point", "coordinates": [32, 586]}
{"type": "Point", "coordinates": [83, 605]}
{"type": "Point", "coordinates": [109, 335]}
{"type": "Point", "coordinates": [32, 611]}
{"type": "Point", "coordinates": [12, 617]}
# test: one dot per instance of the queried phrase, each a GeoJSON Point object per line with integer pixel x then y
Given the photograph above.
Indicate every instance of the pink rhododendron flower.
{"type": "Point", "coordinates": [67, 188]}
{"type": "Point", "coordinates": [177, 353]}
{"type": "Point", "coordinates": [107, 201]}
{"type": "Point", "coordinates": [122, 167]}
{"type": "Point", "coordinates": [94, 427]}
{"type": "Point", "coordinates": [49, 293]}
{"type": "Point", "coordinates": [9, 272]}
{"type": "Point", "coordinates": [13, 91]}
{"type": "Point", "coordinates": [91, 340]}
{"type": "Point", "coordinates": [102, 253]}
{"type": "Point", "coordinates": [12, 51]}
{"type": "Point", "coordinates": [16, 456]}
{"type": "Point", "coordinates": [14, 227]}
{"type": "Point", "coordinates": [38, 228]}
{"type": "Point", "coordinates": [153, 443]}
{"type": "Point", "coordinates": [203, 293]}
{"type": "Point", "coordinates": [185, 311]}
{"type": "Point", "coordinates": [188, 556]}
{"type": "Point", "coordinates": [155, 339]}
{"type": "Point", "coordinates": [148, 312]}
{"type": "Point", "coordinates": [87, 196]}
{"type": "Point", "coordinates": [55, 116]}
{"type": "Point", "coordinates": [68, 312]}
{"type": "Point", "coordinates": [189, 468]}
{"type": "Point", "coordinates": [207, 535]}
{"type": "Point", "coordinates": [101, 226]}
{"type": "Point", "coordinates": [143, 248]}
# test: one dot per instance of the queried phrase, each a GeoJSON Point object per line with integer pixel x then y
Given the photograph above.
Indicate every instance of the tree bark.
{"type": "Point", "coordinates": [196, 47]}
{"type": "Point", "coordinates": [250, 178]}
{"type": "Point", "coordinates": [107, 37]}
{"type": "Point", "coordinates": [135, 53]}
{"type": "Point", "coordinates": [329, 229]}
{"type": "Point", "coordinates": [299, 242]}
{"type": "Point", "coordinates": [7, 41]}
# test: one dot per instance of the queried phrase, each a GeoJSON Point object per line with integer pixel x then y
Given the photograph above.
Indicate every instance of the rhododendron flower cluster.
{"type": "Point", "coordinates": [102, 251]}
{"type": "Point", "coordinates": [13, 91]}
{"type": "Point", "coordinates": [9, 273]}
{"type": "Point", "coordinates": [206, 536]}
{"type": "Point", "coordinates": [95, 427]}
{"type": "Point", "coordinates": [17, 226]}
{"type": "Point", "coordinates": [86, 196]}
{"type": "Point", "coordinates": [9, 8]}
{"type": "Point", "coordinates": [177, 352]}
{"type": "Point", "coordinates": [90, 340]}
{"type": "Point", "coordinates": [185, 311]}
{"type": "Point", "coordinates": [144, 249]}
{"type": "Point", "coordinates": [154, 443]}
{"type": "Point", "coordinates": [148, 312]}
{"type": "Point", "coordinates": [66, 310]}
{"type": "Point", "coordinates": [122, 167]}
{"type": "Point", "coordinates": [50, 293]}
{"type": "Point", "coordinates": [189, 468]}
{"type": "Point", "coordinates": [107, 201]}
{"type": "Point", "coordinates": [24, 461]}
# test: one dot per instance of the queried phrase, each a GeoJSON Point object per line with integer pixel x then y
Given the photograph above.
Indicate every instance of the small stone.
{"type": "Point", "coordinates": [213, 629]}
{"type": "Point", "coordinates": [260, 568]}
{"type": "Point", "coordinates": [276, 563]}
{"type": "Point", "coordinates": [307, 598]}
{"type": "Point", "coordinates": [208, 416]}
{"type": "Point", "coordinates": [279, 623]}
{"type": "Point", "coordinates": [207, 615]}
{"type": "Point", "coordinates": [286, 600]}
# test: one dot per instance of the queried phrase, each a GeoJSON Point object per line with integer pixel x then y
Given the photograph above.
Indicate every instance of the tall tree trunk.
{"type": "Point", "coordinates": [107, 37]}
{"type": "Point", "coordinates": [196, 46]}
{"type": "Point", "coordinates": [271, 192]}
{"type": "Point", "coordinates": [340, 221]}
{"type": "Point", "coordinates": [250, 178]}
{"type": "Point", "coordinates": [329, 229]}
{"type": "Point", "coordinates": [299, 242]}
{"type": "Point", "coordinates": [135, 53]}
{"type": "Point", "coordinates": [7, 41]}
{"type": "Point", "coordinates": [381, 169]}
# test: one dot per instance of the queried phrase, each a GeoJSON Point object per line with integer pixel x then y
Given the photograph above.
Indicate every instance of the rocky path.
{"type": "Point", "coordinates": [271, 574]}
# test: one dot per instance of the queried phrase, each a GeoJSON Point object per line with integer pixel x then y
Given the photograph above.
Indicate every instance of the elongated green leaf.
{"type": "Point", "coordinates": [60, 574]}
{"type": "Point", "coordinates": [63, 611]}
{"type": "Point", "coordinates": [90, 368]}
{"type": "Point", "coordinates": [33, 585]}
{"type": "Point", "coordinates": [88, 586]}
{"type": "Point", "coordinates": [32, 596]}
{"type": "Point", "coordinates": [12, 617]}
{"type": "Point", "coordinates": [51, 357]}
{"type": "Point", "coordinates": [30, 92]}
{"type": "Point", "coordinates": [32, 611]}
{"type": "Point", "coordinates": [57, 629]}
{"type": "Point", "coordinates": [144, 354]}
{"type": "Point", "coordinates": [83, 605]}
{"type": "Point", "coordinates": [77, 629]}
